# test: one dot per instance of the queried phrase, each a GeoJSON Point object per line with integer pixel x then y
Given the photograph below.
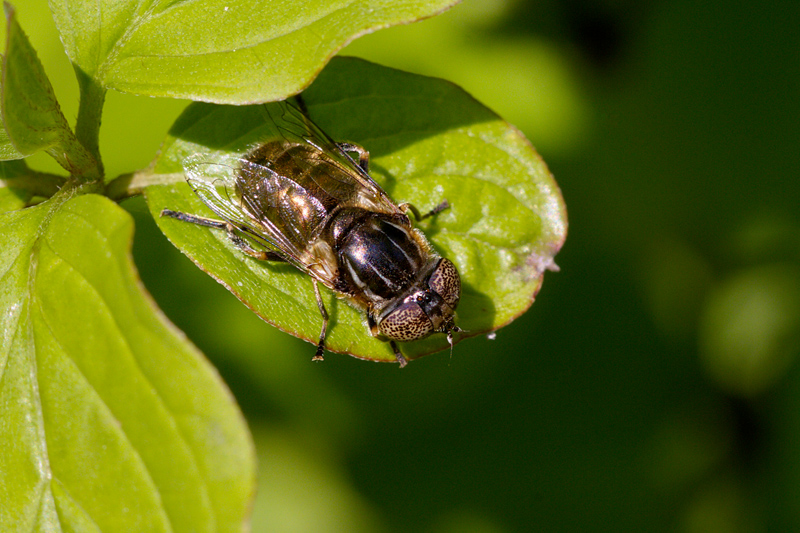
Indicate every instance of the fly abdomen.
{"type": "Point", "coordinates": [380, 257]}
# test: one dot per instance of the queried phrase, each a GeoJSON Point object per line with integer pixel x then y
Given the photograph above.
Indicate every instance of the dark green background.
{"type": "Point", "coordinates": [653, 385]}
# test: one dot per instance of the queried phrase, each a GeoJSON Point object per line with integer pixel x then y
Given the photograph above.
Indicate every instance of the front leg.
{"type": "Point", "coordinates": [399, 356]}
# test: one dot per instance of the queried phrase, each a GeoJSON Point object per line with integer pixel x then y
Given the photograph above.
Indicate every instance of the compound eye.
{"type": "Point", "coordinates": [446, 282]}
{"type": "Point", "coordinates": [406, 323]}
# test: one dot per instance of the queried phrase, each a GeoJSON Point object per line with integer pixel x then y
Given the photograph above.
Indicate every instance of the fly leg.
{"type": "Point", "coordinates": [363, 162]}
{"type": "Point", "coordinates": [399, 356]}
{"type": "Point", "coordinates": [435, 211]}
{"type": "Point", "coordinates": [324, 313]}
{"type": "Point", "coordinates": [262, 255]}
{"type": "Point", "coordinates": [363, 154]}
{"type": "Point", "coordinates": [229, 229]}
{"type": "Point", "coordinates": [347, 148]}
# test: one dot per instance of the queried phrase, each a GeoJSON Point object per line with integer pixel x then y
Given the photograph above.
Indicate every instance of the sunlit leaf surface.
{"type": "Point", "coordinates": [32, 119]}
{"type": "Point", "coordinates": [224, 51]}
{"type": "Point", "coordinates": [428, 141]}
{"type": "Point", "coordinates": [109, 419]}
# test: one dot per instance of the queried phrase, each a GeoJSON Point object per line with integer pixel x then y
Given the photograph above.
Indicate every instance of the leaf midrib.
{"type": "Point", "coordinates": [136, 21]}
{"type": "Point", "coordinates": [146, 15]}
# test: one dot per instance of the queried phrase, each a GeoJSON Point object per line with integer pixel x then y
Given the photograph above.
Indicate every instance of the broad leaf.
{"type": "Point", "coordinates": [428, 141]}
{"type": "Point", "coordinates": [225, 51]}
{"type": "Point", "coordinates": [109, 419]}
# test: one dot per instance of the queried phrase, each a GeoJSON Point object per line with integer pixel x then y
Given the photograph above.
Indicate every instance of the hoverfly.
{"type": "Point", "coordinates": [307, 200]}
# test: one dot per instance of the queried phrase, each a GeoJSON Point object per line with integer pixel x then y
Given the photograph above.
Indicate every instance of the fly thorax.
{"type": "Point", "coordinates": [380, 257]}
{"type": "Point", "coordinates": [342, 222]}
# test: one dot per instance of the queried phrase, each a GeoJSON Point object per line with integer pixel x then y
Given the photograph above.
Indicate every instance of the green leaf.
{"type": "Point", "coordinates": [7, 150]}
{"type": "Point", "coordinates": [224, 51]}
{"type": "Point", "coordinates": [32, 118]}
{"type": "Point", "coordinates": [13, 197]}
{"type": "Point", "coordinates": [19, 185]}
{"type": "Point", "coordinates": [109, 419]}
{"type": "Point", "coordinates": [428, 141]}
{"type": "Point", "coordinates": [31, 115]}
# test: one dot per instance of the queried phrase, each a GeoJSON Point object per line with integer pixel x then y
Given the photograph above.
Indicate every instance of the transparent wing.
{"type": "Point", "coordinates": [345, 174]}
{"type": "Point", "coordinates": [284, 204]}
{"type": "Point", "coordinates": [283, 191]}
{"type": "Point", "coordinates": [215, 183]}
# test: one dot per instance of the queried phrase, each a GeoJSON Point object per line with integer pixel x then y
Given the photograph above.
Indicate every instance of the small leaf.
{"type": "Point", "coordinates": [428, 141]}
{"type": "Point", "coordinates": [11, 197]}
{"type": "Point", "coordinates": [224, 51]}
{"type": "Point", "coordinates": [31, 115]}
{"type": "Point", "coordinates": [109, 419]}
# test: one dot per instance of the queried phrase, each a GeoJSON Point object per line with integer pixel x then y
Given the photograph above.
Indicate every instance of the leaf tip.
{"type": "Point", "coordinates": [9, 11]}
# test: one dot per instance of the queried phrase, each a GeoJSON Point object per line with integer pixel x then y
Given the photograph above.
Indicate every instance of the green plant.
{"type": "Point", "coordinates": [109, 418]}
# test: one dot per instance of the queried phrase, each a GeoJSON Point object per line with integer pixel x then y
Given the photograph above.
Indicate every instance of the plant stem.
{"type": "Point", "coordinates": [90, 111]}
{"type": "Point", "coordinates": [79, 153]}
{"type": "Point", "coordinates": [134, 183]}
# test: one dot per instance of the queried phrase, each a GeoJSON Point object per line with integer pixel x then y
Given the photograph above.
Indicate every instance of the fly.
{"type": "Point", "coordinates": [304, 199]}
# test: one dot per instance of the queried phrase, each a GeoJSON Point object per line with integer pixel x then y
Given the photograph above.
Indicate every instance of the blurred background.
{"type": "Point", "coordinates": [654, 385]}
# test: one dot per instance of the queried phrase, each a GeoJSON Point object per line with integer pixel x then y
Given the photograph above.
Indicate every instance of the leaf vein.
{"type": "Point", "coordinates": [121, 427]}
{"type": "Point", "coordinates": [132, 353]}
